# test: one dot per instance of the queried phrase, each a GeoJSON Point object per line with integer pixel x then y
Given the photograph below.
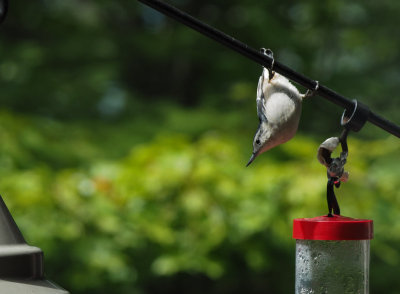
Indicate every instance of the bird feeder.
{"type": "Point", "coordinates": [21, 265]}
{"type": "Point", "coordinates": [332, 254]}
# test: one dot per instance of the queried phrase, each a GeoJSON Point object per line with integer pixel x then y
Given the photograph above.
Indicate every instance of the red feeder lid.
{"type": "Point", "coordinates": [332, 228]}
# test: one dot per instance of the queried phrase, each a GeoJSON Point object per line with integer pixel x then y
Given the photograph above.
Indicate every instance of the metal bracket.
{"type": "Point", "coordinates": [355, 118]}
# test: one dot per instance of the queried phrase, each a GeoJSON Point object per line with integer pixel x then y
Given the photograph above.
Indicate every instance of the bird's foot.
{"type": "Point", "coordinates": [311, 93]}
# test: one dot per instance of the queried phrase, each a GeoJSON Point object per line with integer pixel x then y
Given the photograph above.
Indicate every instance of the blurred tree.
{"type": "Point", "coordinates": [100, 59]}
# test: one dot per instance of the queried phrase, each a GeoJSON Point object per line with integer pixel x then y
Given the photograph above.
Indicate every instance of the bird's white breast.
{"type": "Point", "coordinates": [283, 108]}
{"type": "Point", "coordinates": [280, 108]}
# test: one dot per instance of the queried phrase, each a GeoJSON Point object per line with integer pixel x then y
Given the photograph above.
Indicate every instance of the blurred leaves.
{"type": "Point", "coordinates": [174, 204]}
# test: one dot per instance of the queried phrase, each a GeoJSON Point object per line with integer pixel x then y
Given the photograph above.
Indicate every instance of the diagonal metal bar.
{"type": "Point", "coordinates": [266, 61]}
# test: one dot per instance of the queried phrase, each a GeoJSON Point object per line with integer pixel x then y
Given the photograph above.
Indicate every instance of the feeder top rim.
{"type": "Point", "coordinates": [334, 218]}
{"type": "Point", "coordinates": [332, 228]}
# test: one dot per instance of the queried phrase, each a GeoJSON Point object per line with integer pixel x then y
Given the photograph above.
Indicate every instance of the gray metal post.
{"type": "Point", "coordinates": [21, 265]}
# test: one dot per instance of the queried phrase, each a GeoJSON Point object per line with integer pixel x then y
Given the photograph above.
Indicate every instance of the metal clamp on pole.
{"type": "Point", "coordinates": [355, 118]}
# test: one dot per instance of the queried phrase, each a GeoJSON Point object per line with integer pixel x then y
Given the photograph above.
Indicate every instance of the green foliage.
{"type": "Point", "coordinates": [177, 204]}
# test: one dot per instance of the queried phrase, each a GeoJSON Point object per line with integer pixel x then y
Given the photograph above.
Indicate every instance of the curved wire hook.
{"type": "Point", "coordinates": [335, 167]}
{"type": "Point", "coordinates": [3, 9]}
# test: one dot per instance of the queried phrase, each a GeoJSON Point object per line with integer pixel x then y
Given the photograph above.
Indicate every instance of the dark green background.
{"type": "Point", "coordinates": [124, 138]}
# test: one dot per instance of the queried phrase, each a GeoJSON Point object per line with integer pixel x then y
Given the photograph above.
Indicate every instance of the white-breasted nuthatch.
{"type": "Point", "coordinates": [278, 110]}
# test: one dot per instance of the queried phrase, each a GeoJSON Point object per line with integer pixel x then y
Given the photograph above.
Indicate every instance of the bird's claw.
{"type": "Point", "coordinates": [311, 93]}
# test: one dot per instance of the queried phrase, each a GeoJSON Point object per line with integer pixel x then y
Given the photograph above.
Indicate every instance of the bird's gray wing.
{"type": "Point", "coordinates": [261, 99]}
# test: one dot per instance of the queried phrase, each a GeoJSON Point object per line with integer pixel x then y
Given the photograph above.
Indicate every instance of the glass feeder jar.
{"type": "Point", "coordinates": [332, 255]}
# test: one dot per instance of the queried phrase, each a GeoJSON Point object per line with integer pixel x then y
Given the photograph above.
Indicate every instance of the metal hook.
{"type": "Point", "coordinates": [336, 173]}
{"type": "Point", "coordinates": [357, 118]}
{"type": "Point", "coordinates": [343, 140]}
{"type": "Point", "coordinates": [335, 167]}
{"type": "Point", "coordinates": [3, 9]}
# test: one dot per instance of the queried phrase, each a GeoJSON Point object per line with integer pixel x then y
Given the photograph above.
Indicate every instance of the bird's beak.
{"type": "Point", "coordinates": [253, 156]}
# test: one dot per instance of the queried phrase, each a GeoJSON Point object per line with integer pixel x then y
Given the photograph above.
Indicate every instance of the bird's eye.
{"type": "Point", "coordinates": [257, 141]}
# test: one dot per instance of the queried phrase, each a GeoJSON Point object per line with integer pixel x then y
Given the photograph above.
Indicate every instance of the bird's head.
{"type": "Point", "coordinates": [262, 141]}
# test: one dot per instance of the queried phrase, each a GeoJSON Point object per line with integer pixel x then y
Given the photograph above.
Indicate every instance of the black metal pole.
{"type": "Point", "coordinates": [266, 61]}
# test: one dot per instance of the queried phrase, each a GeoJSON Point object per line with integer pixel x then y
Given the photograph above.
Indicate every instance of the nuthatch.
{"type": "Point", "coordinates": [278, 110]}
